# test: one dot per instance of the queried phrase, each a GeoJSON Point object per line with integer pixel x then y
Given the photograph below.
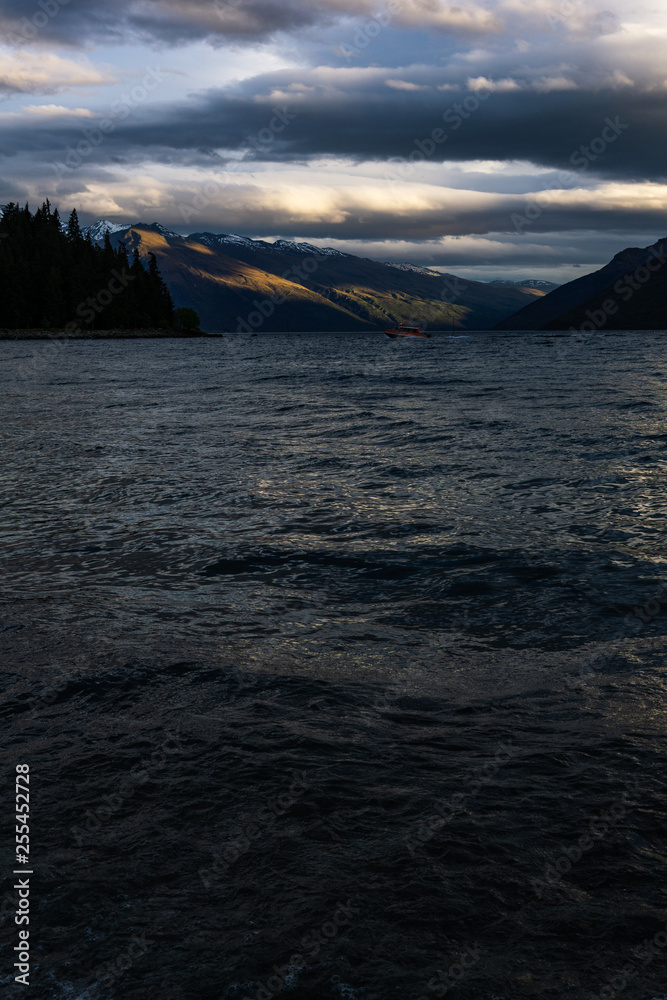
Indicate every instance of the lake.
{"type": "Point", "coordinates": [339, 664]}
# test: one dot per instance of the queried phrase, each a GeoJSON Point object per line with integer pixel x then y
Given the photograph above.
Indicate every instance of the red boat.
{"type": "Point", "coordinates": [406, 331]}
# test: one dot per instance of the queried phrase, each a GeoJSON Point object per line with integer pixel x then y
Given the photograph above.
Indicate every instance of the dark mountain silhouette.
{"type": "Point", "coordinates": [234, 282]}
{"type": "Point", "coordinates": [638, 308]}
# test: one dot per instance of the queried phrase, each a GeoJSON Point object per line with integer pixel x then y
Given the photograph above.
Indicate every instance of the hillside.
{"type": "Point", "coordinates": [231, 282]}
{"type": "Point", "coordinates": [560, 308]}
{"type": "Point", "coordinates": [637, 301]}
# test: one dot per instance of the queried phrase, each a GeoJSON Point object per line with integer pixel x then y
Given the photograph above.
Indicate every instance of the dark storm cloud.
{"type": "Point", "coordinates": [375, 121]}
{"type": "Point", "coordinates": [174, 22]}
{"type": "Point", "coordinates": [428, 223]}
{"type": "Point", "coordinates": [616, 133]}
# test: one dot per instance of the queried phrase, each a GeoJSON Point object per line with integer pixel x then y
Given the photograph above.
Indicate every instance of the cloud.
{"type": "Point", "coordinates": [218, 21]}
{"type": "Point", "coordinates": [79, 22]}
{"type": "Point", "coordinates": [56, 111]}
{"type": "Point", "coordinates": [470, 19]}
{"type": "Point", "coordinates": [405, 85]}
{"type": "Point", "coordinates": [421, 131]}
{"type": "Point", "coordinates": [46, 73]}
{"type": "Point", "coordinates": [353, 115]}
{"type": "Point", "coordinates": [368, 209]}
{"type": "Point", "coordinates": [247, 22]}
{"type": "Point", "coordinates": [541, 85]}
{"type": "Point", "coordinates": [478, 83]}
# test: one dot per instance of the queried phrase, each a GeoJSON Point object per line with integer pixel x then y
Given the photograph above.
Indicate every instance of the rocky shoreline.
{"type": "Point", "coordinates": [99, 334]}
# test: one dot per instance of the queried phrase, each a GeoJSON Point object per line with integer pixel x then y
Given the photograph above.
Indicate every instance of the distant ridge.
{"type": "Point", "coordinates": [539, 283]}
{"type": "Point", "coordinates": [566, 306]}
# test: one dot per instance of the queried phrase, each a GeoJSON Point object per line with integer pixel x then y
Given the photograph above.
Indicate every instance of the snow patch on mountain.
{"type": "Point", "coordinates": [157, 227]}
{"type": "Point", "coordinates": [99, 228]}
{"type": "Point", "coordinates": [404, 266]}
{"type": "Point", "coordinates": [281, 246]}
{"type": "Point", "coordinates": [289, 246]}
{"type": "Point", "coordinates": [233, 239]}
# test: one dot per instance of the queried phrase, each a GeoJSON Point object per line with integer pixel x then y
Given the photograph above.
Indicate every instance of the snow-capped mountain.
{"type": "Point", "coordinates": [99, 228]}
{"type": "Point", "coordinates": [217, 240]}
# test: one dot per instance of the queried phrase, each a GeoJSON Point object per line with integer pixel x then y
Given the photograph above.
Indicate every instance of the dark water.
{"type": "Point", "coordinates": [339, 637]}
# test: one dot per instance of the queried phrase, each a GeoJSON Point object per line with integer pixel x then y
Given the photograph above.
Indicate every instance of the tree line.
{"type": "Point", "coordinates": [55, 278]}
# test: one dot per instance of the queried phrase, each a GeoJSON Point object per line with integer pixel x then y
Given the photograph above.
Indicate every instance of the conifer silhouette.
{"type": "Point", "coordinates": [51, 276]}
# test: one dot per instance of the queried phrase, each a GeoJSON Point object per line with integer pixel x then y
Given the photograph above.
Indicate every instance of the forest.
{"type": "Point", "coordinates": [53, 277]}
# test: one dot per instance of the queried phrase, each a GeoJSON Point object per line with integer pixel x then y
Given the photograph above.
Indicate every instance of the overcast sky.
{"type": "Point", "coordinates": [499, 138]}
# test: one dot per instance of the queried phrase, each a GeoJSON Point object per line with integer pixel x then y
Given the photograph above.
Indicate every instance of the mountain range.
{"type": "Point", "coordinates": [237, 283]}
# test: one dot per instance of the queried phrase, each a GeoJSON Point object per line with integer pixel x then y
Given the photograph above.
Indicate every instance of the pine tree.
{"type": "Point", "coordinates": [74, 234]}
{"type": "Point", "coordinates": [48, 275]}
{"type": "Point", "coordinates": [161, 303]}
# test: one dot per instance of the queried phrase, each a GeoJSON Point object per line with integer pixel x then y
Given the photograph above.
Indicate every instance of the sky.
{"type": "Point", "coordinates": [494, 139]}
